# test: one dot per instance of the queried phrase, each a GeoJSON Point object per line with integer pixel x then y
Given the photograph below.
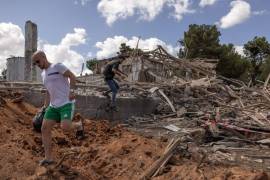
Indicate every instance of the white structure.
{"type": "Point", "coordinates": [16, 70]}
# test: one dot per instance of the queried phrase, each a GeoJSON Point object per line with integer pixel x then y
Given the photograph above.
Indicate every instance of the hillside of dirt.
{"type": "Point", "coordinates": [107, 152]}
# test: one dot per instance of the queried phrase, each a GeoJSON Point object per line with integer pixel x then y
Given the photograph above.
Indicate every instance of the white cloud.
{"type": "Point", "coordinates": [240, 50]}
{"type": "Point", "coordinates": [63, 53]}
{"type": "Point", "coordinates": [262, 12]}
{"type": "Point", "coordinates": [75, 39]}
{"type": "Point", "coordinates": [83, 2]}
{"type": "Point", "coordinates": [113, 10]}
{"type": "Point", "coordinates": [204, 3]}
{"type": "Point", "coordinates": [239, 13]}
{"type": "Point", "coordinates": [110, 46]}
{"type": "Point", "coordinates": [181, 7]}
{"type": "Point", "coordinates": [11, 42]}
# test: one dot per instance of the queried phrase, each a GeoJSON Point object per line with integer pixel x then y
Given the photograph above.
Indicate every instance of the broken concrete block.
{"type": "Point", "coordinates": [264, 141]}
{"type": "Point", "coordinates": [181, 111]}
{"type": "Point", "coordinates": [172, 128]}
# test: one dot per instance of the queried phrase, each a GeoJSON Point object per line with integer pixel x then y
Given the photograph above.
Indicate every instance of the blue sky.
{"type": "Point", "coordinates": [71, 31]}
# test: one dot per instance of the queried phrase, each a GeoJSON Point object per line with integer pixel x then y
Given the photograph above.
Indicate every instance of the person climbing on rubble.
{"type": "Point", "coordinates": [59, 101]}
{"type": "Point", "coordinates": [109, 72]}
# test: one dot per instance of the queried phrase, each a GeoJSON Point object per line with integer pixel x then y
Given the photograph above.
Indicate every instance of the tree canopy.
{"type": "Point", "coordinates": [200, 41]}
{"type": "Point", "coordinates": [4, 73]}
{"type": "Point", "coordinates": [231, 64]}
{"type": "Point", "coordinates": [257, 50]}
{"type": "Point", "coordinates": [125, 49]}
{"type": "Point", "coordinates": [91, 63]}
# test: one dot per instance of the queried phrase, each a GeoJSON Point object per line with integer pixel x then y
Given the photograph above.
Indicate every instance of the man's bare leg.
{"type": "Point", "coordinates": [46, 131]}
{"type": "Point", "coordinates": [68, 126]}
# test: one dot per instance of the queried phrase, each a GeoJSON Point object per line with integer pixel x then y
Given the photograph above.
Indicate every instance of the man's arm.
{"type": "Point", "coordinates": [72, 81]}
{"type": "Point", "coordinates": [72, 78]}
{"type": "Point", "coordinates": [118, 72]}
{"type": "Point", "coordinates": [46, 100]}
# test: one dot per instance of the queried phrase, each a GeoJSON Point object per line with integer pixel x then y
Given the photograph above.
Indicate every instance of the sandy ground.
{"type": "Point", "coordinates": [107, 152]}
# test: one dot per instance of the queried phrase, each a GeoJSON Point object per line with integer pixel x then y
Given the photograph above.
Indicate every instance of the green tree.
{"type": "Point", "coordinates": [91, 64]}
{"type": "Point", "coordinates": [127, 50]}
{"type": "Point", "coordinates": [265, 69]}
{"type": "Point", "coordinates": [200, 41]}
{"type": "Point", "coordinates": [256, 51]}
{"type": "Point", "coordinates": [231, 64]}
{"type": "Point", "coordinates": [124, 49]}
{"type": "Point", "coordinates": [4, 74]}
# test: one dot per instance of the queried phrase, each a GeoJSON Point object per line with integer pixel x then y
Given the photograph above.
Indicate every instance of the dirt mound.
{"type": "Point", "coordinates": [107, 152]}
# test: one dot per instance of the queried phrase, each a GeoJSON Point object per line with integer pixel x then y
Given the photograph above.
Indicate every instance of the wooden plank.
{"type": "Point", "coordinates": [161, 161]}
{"type": "Point", "coordinates": [167, 99]}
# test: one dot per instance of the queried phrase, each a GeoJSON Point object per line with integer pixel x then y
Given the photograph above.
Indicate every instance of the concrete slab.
{"type": "Point", "coordinates": [93, 107]}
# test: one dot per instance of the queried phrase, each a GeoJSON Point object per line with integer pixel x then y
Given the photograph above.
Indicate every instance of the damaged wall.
{"type": "Point", "coordinates": [15, 69]}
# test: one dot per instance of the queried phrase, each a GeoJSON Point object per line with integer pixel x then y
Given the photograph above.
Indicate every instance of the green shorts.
{"type": "Point", "coordinates": [59, 114]}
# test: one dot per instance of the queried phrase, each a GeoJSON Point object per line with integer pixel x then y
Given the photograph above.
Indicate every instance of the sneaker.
{"type": "Point", "coordinates": [106, 94]}
{"type": "Point", "coordinates": [46, 162]}
{"type": "Point", "coordinates": [80, 132]}
{"type": "Point", "coordinates": [114, 108]}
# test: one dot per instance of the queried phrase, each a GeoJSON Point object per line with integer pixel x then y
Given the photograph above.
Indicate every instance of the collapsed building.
{"type": "Point", "coordinates": [157, 66]}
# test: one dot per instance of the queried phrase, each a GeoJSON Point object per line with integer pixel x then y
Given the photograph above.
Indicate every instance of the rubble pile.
{"type": "Point", "coordinates": [224, 119]}
{"type": "Point", "coordinates": [205, 127]}
{"type": "Point", "coordinates": [107, 152]}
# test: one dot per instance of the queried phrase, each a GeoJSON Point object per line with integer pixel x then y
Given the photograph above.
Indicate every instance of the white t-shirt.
{"type": "Point", "coordinates": [56, 84]}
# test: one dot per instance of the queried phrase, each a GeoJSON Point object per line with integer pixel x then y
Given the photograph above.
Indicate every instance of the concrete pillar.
{"type": "Point", "coordinates": [30, 48]}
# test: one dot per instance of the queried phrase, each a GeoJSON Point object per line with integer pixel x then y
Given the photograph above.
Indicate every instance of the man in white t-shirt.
{"type": "Point", "coordinates": [59, 102]}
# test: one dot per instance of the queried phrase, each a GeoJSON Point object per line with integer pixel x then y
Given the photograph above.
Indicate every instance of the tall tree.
{"type": "Point", "coordinates": [200, 41]}
{"type": "Point", "coordinates": [91, 64]}
{"type": "Point", "coordinates": [127, 50]}
{"type": "Point", "coordinates": [231, 64]}
{"type": "Point", "coordinates": [124, 49]}
{"type": "Point", "coordinates": [4, 74]}
{"type": "Point", "coordinates": [265, 69]}
{"type": "Point", "coordinates": [256, 51]}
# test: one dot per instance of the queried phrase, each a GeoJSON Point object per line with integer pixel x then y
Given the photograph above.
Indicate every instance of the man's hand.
{"type": "Point", "coordinates": [42, 109]}
{"type": "Point", "coordinates": [71, 96]}
{"type": "Point", "coordinates": [124, 77]}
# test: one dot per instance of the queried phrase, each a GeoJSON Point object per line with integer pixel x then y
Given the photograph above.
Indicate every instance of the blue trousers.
{"type": "Point", "coordinates": [114, 87]}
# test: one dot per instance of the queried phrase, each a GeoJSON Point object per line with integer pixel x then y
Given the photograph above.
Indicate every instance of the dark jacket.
{"type": "Point", "coordinates": [108, 73]}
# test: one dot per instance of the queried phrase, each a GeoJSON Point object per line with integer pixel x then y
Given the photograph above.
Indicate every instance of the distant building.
{"type": "Point", "coordinates": [16, 70]}
{"type": "Point", "coordinates": [22, 68]}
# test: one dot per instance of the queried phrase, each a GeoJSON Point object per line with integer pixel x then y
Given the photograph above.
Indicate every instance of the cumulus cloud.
{"type": "Point", "coordinates": [181, 7]}
{"type": "Point", "coordinates": [239, 13]}
{"type": "Point", "coordinates": [110, 46]}
{"type": "Point", "coordinates": [63, 53]}
{"type": "Point", "coordinates": [240, 50]}
{"type": "Point", "coordinates": [11, 42]}
{"type": "Point", "coordinates": [113, 10]}
{"type": "Point", "coordinates": [75, 39]}
{"type": "Point", "coordinates": [204, 3]}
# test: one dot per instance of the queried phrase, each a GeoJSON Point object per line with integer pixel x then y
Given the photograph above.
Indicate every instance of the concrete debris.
{"type": "Point", "coordinates": [172, 128]}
